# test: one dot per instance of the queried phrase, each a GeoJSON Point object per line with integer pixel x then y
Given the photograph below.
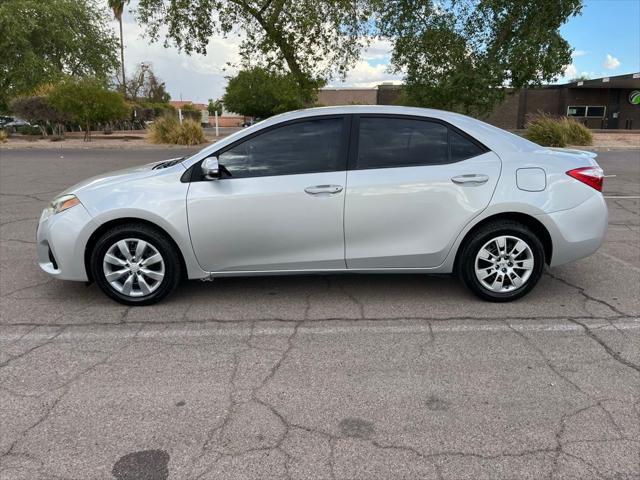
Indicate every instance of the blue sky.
{"type": "Point", "coordinates": [606, 27]}
{"type": "Point", "coordinates": [606, 40]}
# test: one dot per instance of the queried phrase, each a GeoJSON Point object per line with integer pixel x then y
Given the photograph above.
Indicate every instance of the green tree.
{"type": "Point", "coordinates": [460, 54]}
{"type": "Point", "coordinates": [39, 110]}
{"type": "Point", "coordinates": [88, 102]}
{"type": "Point", "coordinates": [215, 106]}
{"type": "Point", "coordinates": [43, 40]}
{"type": "Point", "coordinates": [580, 78]}
{"type": "Point", "coordinates": [117, 6]}
{"type": "Point", "coordinates": [260, 93]}
{"type": "Point", "coordinates": [312, 40]}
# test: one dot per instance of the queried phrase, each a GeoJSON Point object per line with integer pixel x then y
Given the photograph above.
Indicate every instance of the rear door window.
{"type": "Point", "coordinates": [385, 142]}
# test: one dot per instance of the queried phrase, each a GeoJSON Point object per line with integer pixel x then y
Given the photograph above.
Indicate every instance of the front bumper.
{"type": "Point", "coordinates": [577, 232]}
{"type": "Point", "coordinates": [61, 241]}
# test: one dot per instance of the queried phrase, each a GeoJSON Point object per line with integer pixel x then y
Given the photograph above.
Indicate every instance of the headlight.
{"type": "Point", "coordinates": [62, 203]}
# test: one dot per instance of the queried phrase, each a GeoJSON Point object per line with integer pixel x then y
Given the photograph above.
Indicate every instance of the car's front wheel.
{"type": "Point", "coordinates": [135, 264]}
{"type": "Point", "coordinates": [503, 261]}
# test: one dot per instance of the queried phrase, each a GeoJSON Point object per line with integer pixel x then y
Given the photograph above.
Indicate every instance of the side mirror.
{"type": "Point", "coordinates": [210, 168]}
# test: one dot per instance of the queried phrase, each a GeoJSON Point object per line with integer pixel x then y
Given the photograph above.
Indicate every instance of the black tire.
{"type": "Point", "coordinates": [467, 259]}
{"type": "Point", "coordinates": [159, 241]}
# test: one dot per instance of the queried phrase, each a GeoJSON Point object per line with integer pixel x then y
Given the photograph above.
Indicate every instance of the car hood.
{"type": "Point", "coordinates": [121, 176]}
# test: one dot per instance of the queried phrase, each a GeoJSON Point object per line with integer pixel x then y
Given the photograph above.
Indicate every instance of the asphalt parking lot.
{"type": "Point", "coordinates": [332, 377]}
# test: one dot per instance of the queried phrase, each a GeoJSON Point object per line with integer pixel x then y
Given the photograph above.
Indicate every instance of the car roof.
{"type": "Point", "coordinates": [494, 138]}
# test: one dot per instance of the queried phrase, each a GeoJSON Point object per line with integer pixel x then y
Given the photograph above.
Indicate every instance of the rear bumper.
{"type": "Point", "coordinates": [60, 241]}
{"type": "Point", "coordinates": [577, 232]}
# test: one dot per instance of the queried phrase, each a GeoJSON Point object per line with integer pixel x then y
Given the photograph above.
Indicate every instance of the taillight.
{"type": "Point", "coordinates": [591, 176]}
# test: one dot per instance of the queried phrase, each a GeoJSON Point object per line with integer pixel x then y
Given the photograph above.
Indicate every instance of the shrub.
{"type": "Point", "coordinates": [163, 129]}
{"type": "Point", "coordinates": [557, 132]}
{"type": "Point", "coordinates": [189, 133]}
{"type": "Point", "coordinates": [577, 133]}
{"type": "Point", "coordinates": [167, 129]}
{"type": "Point", "coordinates": [3, 136]}
{"type": "Point", "coordinates": [28, 130]}
{"type": "Point", "coordinates": [547, 131]}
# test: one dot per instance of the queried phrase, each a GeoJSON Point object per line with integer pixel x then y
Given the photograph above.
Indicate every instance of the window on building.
{"type": "Point", "coordinates": [586, 111]}
{"type": "Point", "coordinates": [304, 147]}
{"type": "Point", "coordinates": [597, 112]}
{"type": "Point", "coordinates": [577, 111]}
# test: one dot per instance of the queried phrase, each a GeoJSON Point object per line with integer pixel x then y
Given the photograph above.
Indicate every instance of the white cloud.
{"type": "Point", "coordinates": [378, 50]}
{"type": "Point", "coordinates": [578, 53]}
{"type": "Point", "coordinates": [611, 62]}
{"type": "Point", "coordinates": [365, 75]}
{"type": "Point", "coordinates": [570, 71]}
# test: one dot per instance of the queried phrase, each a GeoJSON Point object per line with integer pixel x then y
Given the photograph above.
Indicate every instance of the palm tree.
{"type": "Point", "coordinates": [118, 9]}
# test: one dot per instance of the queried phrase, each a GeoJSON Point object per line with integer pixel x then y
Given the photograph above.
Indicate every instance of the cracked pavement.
{"type": "Point", "coordinates": [331, 377]}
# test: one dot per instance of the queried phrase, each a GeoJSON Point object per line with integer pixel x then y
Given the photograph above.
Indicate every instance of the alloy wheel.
{"type": "Point", "coordinates": [133, 267]}
{"type": "Point", "coordinates": [504, 264]}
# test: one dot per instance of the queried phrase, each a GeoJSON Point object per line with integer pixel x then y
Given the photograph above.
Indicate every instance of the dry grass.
{"type": "Point", "coordinates": [189, 133]}
{"type": "Point", "coordinates": [577, 133]}
{"type": "Point", "coordinates": [547, 131]}
{"type": "Point", "coordinates": [557, 132]}
{"type": "Point", "coordinates": [168, 129]}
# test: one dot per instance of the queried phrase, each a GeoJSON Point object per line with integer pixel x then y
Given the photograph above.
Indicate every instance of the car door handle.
{"type": "Point", "coordinates": [318, 189]}
{"type": "Point", "coordinates": [470, 180]}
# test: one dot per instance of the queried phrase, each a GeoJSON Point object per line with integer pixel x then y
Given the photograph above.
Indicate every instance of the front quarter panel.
{"type": "Point", "coordinates": [159, 198]}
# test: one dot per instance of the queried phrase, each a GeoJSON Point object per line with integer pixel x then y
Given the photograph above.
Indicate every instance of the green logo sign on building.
{"type": "Point", "coordinates": [634, 97]}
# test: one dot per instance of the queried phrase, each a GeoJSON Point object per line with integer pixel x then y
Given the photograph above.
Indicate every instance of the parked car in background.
{"type": "Point", "coordinates": [17, 122]}
{"type": "Point", "coordinates": [354, 189]}
{"type": "Point", "coordinates": [4, 120]}
{"type": "Point", "coordinates": [251, 122]}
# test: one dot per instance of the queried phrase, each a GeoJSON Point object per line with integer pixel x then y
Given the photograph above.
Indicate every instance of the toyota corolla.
{"type": "Point", "coordinates": [357, 189]}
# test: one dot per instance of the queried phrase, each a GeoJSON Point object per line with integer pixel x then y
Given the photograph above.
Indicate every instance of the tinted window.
{"type": "Point", "coordinates": [305, 147]}
{"type": "Point", "coordinates": [577, 111]}
{"type": "Point", "coordinates": [399, 142]}
{"type": "Point", "coordinates": [462, 148]}
{"type": "Point", "coordinates": [595, 112]}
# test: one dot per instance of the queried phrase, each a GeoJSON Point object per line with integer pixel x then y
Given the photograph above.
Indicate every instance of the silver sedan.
{"type": "Point", "coordinates": [357, 189]}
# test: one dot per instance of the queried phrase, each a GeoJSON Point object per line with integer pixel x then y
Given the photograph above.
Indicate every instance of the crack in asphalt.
{"type": "Point", "coordinates": [612, 353]}
{"type": "Point", "coordinates": [278, 443]}
{"type": "Point", "coordinates": [287, 425]}
{"type": "Point", "coordinates": [582, 291]}
{"type": "Point", "coordinates": [33, 349]}
{"type": "Point", "coordinates": [545, 358]}
{"type": "Point", "coordinates": [64, 387]}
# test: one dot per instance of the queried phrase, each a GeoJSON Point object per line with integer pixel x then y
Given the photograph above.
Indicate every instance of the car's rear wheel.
{"type": "Point", "coordinates": [502, 261]}
{"type": "Point", "coordinates": [135, 264]}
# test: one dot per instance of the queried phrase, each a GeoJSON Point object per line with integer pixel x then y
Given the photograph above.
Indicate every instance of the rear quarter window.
{"type": "Point", "coordinates": [462, 148]}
